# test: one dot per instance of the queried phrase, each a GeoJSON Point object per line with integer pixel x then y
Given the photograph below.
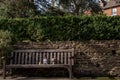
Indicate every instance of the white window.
{"type": "Point", "coordinates": [114, 11]}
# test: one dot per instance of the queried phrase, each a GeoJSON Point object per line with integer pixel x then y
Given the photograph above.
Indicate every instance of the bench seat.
{"type": "Point", "coordinates": [38, 66]}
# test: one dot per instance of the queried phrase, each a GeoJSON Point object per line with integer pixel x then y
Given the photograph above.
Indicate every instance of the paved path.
{"type": "Point", "coordinates": [39, 78]}
{"type": "Point", "coordinates": [33, 78]}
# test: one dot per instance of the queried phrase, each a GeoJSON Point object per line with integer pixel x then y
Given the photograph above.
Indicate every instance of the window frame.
{"type": "Point", "coordinates": [114, 11]}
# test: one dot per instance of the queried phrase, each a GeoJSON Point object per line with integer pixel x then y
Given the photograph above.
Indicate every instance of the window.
{"type": "Point", "coordinates": [95, 1]}
{"type": "Point", "coordinates": [114, 11]}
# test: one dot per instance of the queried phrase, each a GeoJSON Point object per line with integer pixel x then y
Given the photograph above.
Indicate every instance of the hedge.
{"type": "Point", "coordinates": [65, 28]}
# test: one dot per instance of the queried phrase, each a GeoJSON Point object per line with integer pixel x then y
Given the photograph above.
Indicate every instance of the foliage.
{"type": "Point", "coordinates": [17, 8]}
{"type": "Point", "coordinates": [74, 7]}
{"type": "Point", "coordinates": [63, 28]}
{"type": "Point", "coordinates": [5, 42]}
{"type": "Point", "coordinates": [79, 6]}
{"type": "Point", "coordinates": [34, 31]}
{"type": "Point", "coordinates": [30, 8]}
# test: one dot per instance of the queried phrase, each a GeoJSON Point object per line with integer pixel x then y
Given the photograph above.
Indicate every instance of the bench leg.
{"type": "Point", "coordinates": [11, 73]}
{"type": "Point", "coordinates": [4, 69]}
{"type": "Point", "coordinates": [70, 73]}
{"type": "Point", "coordinates": [4, 73]}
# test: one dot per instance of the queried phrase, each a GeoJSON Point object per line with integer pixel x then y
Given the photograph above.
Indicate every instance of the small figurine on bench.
{"type": "Point", "coordinates": [45, 60]}
{"type": "Point", "coordinates": [53, 60]}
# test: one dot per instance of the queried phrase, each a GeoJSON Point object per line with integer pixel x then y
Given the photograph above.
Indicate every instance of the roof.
{"type": "Point", "coordinates": [111, 4]}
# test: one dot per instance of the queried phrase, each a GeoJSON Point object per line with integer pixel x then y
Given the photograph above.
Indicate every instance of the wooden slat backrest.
{"type": "Point", "coordinates": [36, 56]}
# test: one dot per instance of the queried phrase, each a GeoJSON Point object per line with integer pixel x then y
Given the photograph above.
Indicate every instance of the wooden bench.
{"type": "Point", "coordinates": [34, 58]}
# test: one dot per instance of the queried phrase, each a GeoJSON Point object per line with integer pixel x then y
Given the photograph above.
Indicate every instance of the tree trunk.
{"type": "Point", "coordinates": [76, 10]}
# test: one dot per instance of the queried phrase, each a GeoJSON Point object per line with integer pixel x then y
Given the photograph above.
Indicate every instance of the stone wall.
{"type": "Point", "coordinates": [92, 58]}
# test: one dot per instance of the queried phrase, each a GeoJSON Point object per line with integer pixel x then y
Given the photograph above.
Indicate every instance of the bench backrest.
{"type": "Point", "coordinates": [36, 56]}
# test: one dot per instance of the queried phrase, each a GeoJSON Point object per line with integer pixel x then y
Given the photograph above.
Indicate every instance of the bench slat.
{"type": "Point", "coordinates": [23, 54]}
{"type": "Point", "coordinates": [36, 57]}
{"type": "Point", "coordinates": [29, 58]}
{"type": "Point", "coordinates": [32, 57]}
{"type": "Point", "coordinates": [58, 58]}
{"type": "Point", "coordinates": [69, 57]}
{"type": "Point", "coordinates": [51, 55]}
{"type": "Point", "coordinates": [15, 56]}
{"type": "Point", "coordinates": [54, 53]}
{"type": "Point", "coordinates": [11, 61]}
{"type": "Point", "coordinates": [61, 57]}
{"type": "Point", "coordinates": [65, 58]}
{"type": "Point", "coordinates": [26, 58]}
{"type": "Point", "coordinates": [19, 57]}
{"type": "Point", "coordinates": [48, 57]}
{"type": "Point", "coordinates": [72, 56]}
{"type": "Point", "coordinates": [40, 57]}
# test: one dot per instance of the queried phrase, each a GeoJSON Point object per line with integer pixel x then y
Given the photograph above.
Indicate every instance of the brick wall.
{"type": "Point", "coordinates": [93, 58]}
{"type": "Point", "coordinates": [108, 11]}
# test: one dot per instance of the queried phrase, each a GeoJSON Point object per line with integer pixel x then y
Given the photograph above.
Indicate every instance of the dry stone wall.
{"type": "Point", "coordinates": [92, 58]}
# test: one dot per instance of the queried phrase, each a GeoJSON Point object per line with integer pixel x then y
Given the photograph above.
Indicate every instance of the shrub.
{"type": "Point", "coordinates": [64, 28]}
{"type": "Point", "coordinates": [5, 42]}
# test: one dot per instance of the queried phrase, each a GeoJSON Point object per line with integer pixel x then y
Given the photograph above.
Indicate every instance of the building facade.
{"type": "Point", "coordinates": [112, 8]}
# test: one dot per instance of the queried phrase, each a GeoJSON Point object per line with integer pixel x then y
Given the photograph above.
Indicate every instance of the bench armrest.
{"type": "Point", "coordinates": [6, 58]}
